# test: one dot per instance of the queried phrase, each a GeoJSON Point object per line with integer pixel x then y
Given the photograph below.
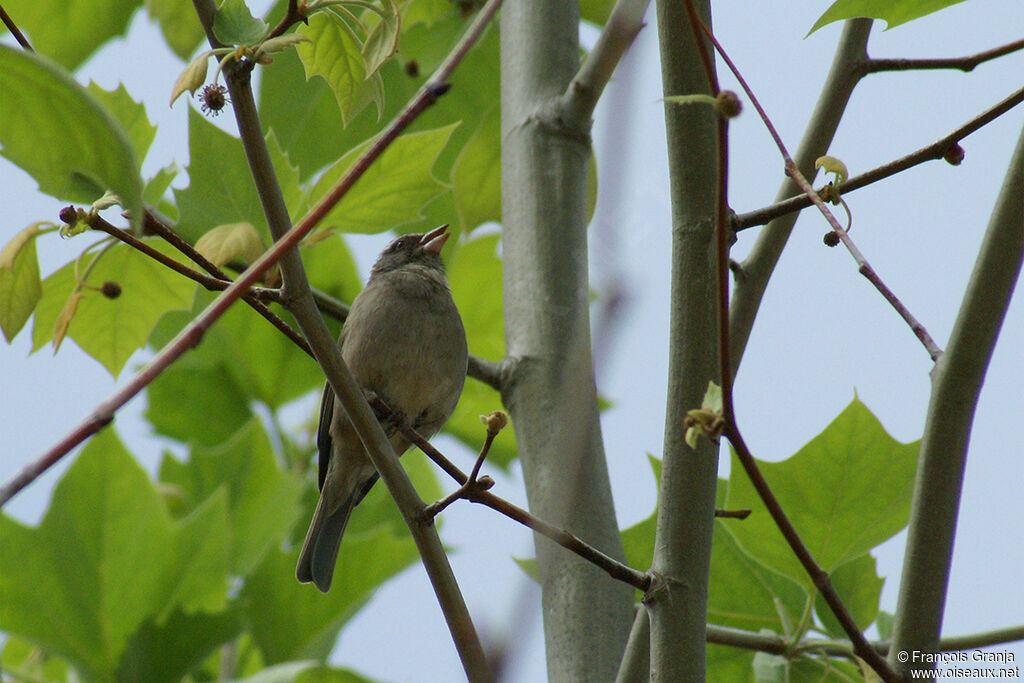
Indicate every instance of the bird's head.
{"type": "Point", "coordinates": [422, 250]}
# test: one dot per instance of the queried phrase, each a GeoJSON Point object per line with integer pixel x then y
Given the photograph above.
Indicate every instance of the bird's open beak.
{"type": "Point", "coordinates": [435, 239]}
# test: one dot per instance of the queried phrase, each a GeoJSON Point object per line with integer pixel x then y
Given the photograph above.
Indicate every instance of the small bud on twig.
{"type": "Point", "coordinates": [495, 422]}
{"type": "Point", "coordinates": [111, 289]}
{"type": "Point", "coordinates": [954, 155]}
{"type": "Point", "coordinates": [729, 105]}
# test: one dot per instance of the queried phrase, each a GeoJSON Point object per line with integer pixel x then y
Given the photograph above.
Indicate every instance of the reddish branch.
{"type": "Point", "coordinates": [818, 576]}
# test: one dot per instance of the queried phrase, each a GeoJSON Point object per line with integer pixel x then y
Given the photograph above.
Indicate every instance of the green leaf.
{"type": "Point", "coordinates": [743, 593]}
{"type": "Point", "coordinates": [110, 330]}
{"type": "Point", "coordinates": [68, 32]}
{"type": "Point", "coordinates": [262, 499]}
{"type": "Point", "coordinates": [196, 402]}
{"type": "Point", "coordinates": [220, 187]}
{"type": "Point", "coordinates": [305, 117]}
{"type": "Point", "coordinates": [393, 190]}
{"type": "Point", "coordinates": [335, 54]}
{"type": "Point", "coordinates": [474, 274]}
{"type": "Point", "coordinates": [179, 24]}
{"type": "Point", "coordinates": [477, 174]}
{"type": "Point", "coordinates": [20, 288]}
{"type": "Point", "coordinates": [332, 269]}
{"type": "Point", "coordinates": [426, 11]}
{"type": "Point", "coordinates": [58, 133]}
{"type": "Point", "coordinates": [234, 24]}
{"type": "Point", "coordinates": [382, 40]}
{"type": "Point", "coordinates": [106, 559]}
{"type": "Point", "coordinates": [305, 672]}
{"type": "Point", "coordinates": [596, 11]}
{"type": "Point", "coordinates": [233, 243]}
{"type": "Point", "coordinates": [24, 661]}
{"type": "Point", "coordinates": [846, 491]}
{"type": "Point", "coordinates": [129, 114]}
{"type": "Point", "coordinates": [275, 372]}
{"type": "Point", "coordinates": [157, 186]}
{"type": "Point", "coordinates": [884, 622]}
{"type": "Point", "coordinates": [860, 589]}
{"type": "Point", "coordinates": [729, 664]}
{"type": "Point", "coordinates": [826, 670]}
{"type": "Point", "coordinates": [290, 620]}
{"type": "Point", "coordinates": [169, 649]}
{"type": "Point", "coordinates": [894, 12]}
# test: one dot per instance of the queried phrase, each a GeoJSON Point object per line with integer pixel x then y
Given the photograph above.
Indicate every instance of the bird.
{"type": "Point", "coordinates": [404, 341]}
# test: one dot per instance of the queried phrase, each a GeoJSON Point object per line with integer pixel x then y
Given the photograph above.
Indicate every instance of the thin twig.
{"type": "Point", "coordinates": [864, 267]}
{"type": "Point", "coordinates": [15, 31]}
{"type": "Point", "coordinates": [611, 566]}
{"type": "Point", "coordinates": [210, 282]}
{"type": "Point", "coordinates": [965, 64]}
{"type": "Point", "coordinates": [293, 15]}
{"type": "Point", "coordinates": [780, 645]}
{"type": "Point", "coordinates": [931, 152]}
{"type": "Point", "coordinates": [818, 576]}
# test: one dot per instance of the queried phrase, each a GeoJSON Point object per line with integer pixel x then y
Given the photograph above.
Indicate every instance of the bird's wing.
{"type": "Point", "coordinates": [323, 433]}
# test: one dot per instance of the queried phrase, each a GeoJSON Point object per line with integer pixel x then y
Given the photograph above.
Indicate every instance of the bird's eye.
{"type": "Point", "coordinates": [398, 245]}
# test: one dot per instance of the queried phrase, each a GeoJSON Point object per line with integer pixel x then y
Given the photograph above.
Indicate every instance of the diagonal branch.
{"type": "Point", "coordinates": [622, 27]}
{"type": "Point", "coordinates": [209, 282]}
{"type": "Point", "coordinates": [931, 152]}
{"type": "Point", "coordinates": [795, 174]}
{"type": "Point", "coordinates": [614, 568]}
{"type": "Point", "coordinates": [956, 384]}
{"type": "Point", "coordinates": [15, 31]}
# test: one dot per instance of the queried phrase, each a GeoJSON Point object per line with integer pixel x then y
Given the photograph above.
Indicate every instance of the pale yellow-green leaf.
{"type": "Point", "coordinates": [393, 190]}
{"type": "Point", "coordinates": [235, 242]}
{"type": "Point", "coordinates": [382, 40]}
{"type": "Point", "coordinates": [833, 165]}
{"type": "Point", "coordinates": [279, 44]}
{"type": "Point", "coordinates": [192, 78]}
{"type": "Point", "coordinates": [334, 53]}
{"type": "Point", "coordinates": [60, 327]}
{"type": "Point", "coordinates": [20, 288]}
{"type": "Point", "coordinates": [712, 398]}
{"type": "Point", "coordinates": [110, 330]}
{"type": "Point", "coordinates": [11, 250]}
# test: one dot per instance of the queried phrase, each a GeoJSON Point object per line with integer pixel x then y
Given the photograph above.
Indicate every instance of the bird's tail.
{"type": "Point", "coordinates": [320, 549]}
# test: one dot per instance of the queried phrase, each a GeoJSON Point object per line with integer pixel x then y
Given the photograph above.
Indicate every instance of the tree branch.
{"type": "Point", "coordinates": [584, 91]}
{"type": "Point", "coordinates": [798, 177]}
{"type": "Point", "coordinates": [818, 576]}
{"type": "Point", "coordinates": [757, 268]}
{"type": "Point", "coordinates": [965, 64]}
{"type": "Point", "coordinates": [15, 31]}
{"type": "Point", "coordinates": [551, 392]}
{"type": "Point", "coordinates": [677, 602]}
{"type": "Point", "coordinates": [614, 568]}
{"type": "Point", "coordinates": [209, 282]}
{"type": "Point", "coordinates": [936, 150]}
{"type": "Point", "coordinates": [956, 383]}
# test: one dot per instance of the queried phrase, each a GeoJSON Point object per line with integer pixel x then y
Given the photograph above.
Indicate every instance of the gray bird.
{"type": "Point", "coordinates": [404, 341]}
